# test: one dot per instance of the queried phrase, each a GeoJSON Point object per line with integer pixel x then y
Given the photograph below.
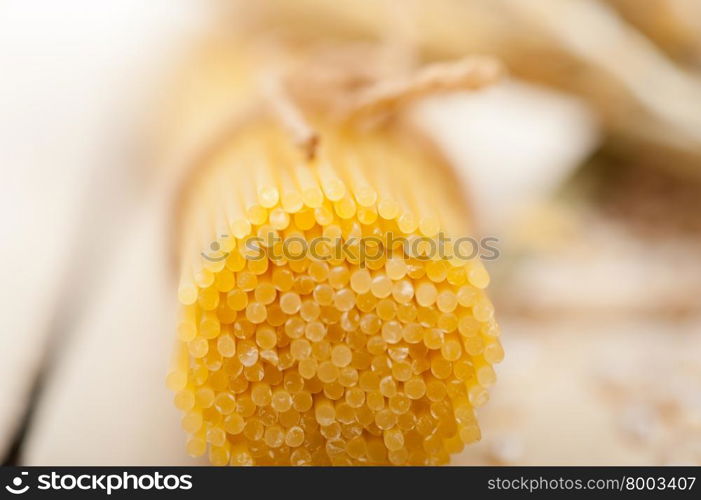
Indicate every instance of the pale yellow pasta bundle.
{"type": "Point", "coordinates": [339, 351]}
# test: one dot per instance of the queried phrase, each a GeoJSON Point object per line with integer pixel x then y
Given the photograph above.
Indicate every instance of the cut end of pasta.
{"type": "Point", "coordinates": [320, 322]}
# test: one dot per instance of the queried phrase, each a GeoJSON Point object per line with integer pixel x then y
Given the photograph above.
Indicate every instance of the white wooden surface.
{"type": "Point", "coordinates": [106, 403]}
{"type": "Point", "coordinates": [74, 82]}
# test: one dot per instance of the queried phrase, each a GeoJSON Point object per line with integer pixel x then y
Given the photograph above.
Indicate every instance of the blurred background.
{"type": "Point", "coordinates": [585, 163]}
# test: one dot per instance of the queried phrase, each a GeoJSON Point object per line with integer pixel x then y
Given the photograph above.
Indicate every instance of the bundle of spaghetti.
{"type": "Point", "coordinates": [327, 316]}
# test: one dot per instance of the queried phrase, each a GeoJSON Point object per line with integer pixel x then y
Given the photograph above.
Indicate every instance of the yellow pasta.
{"type": "Point", "coordinates": [305, 338]}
